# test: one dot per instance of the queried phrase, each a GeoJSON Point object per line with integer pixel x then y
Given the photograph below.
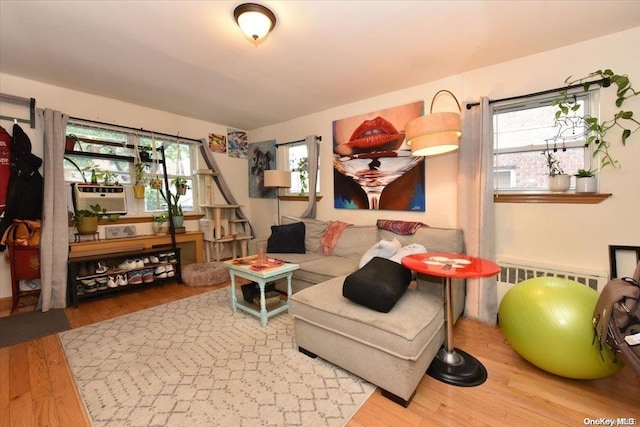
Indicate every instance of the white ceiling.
{"type": "Point", "coordinates": [189, 57]}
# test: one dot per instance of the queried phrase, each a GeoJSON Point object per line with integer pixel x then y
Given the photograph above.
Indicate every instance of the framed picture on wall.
{"type": "Point", "coordinates": [373, 166]}
{"type": "Point", "coordinates": [262, 157]}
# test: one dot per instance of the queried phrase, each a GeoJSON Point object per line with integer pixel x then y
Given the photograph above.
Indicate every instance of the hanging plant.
{"type": "Point", "coordinates": [598, 129]}
{"type": "Point", "coordinates": [303, 168]}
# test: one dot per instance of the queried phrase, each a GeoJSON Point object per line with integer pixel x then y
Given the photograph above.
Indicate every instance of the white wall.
{"type": "Point", "coordinates": [576, 236]}
{"type": "Point", "coordinates": [86, 106]}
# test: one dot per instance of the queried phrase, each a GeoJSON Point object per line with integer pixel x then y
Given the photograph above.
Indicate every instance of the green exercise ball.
{"type": "Point", "coordinates": [547, 320]}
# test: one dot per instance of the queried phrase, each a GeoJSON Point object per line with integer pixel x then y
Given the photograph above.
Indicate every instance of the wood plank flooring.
{"type": "Point", "coordinates": [37, 388]}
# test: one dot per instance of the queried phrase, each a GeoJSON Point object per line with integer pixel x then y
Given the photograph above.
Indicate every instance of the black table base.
{"type": "Point", "coordinates": [469, 372]}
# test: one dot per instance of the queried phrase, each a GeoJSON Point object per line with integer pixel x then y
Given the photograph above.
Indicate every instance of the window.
{"type": "Point", "coordinates": [298, 159]}
{"type": "Point", "coordinates": [100, 154]}
{"type": "Point", "coordinates": [523, 130]}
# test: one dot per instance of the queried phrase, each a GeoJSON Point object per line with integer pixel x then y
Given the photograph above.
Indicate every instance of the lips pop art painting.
{"type": "Point", "coordinates": [373, 166]}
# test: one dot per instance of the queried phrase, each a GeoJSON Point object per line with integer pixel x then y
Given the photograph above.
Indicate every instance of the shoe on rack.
{"type": "Point", "coordinates": [139, 263]}
{"type": "Point", "coordinates": [145, 260]}
{"type": "Point", "coordinates": [89, 285]}
{"type": "Point", "coordinates": [111, 283]}
{"type": "Point", "coordinates": [102, 268]}
{"type": "Point", "coordinates": [170, 271]}
{"type": "Point", "coordinates": [102, 283]}
{"type": "Point", "coordinates": [164, 257]}
{"type": "Point", "coordinates": [160, 269]}
{"type": "Point", "coordinates": [121, 280]}
{"type": "Point", "coordinates": [147, 275]}
{"type": "Point", "coordinates": [135, 277]}
{"type": "Point", "coordinates": [127, 265]}
{"type": "Point", "coordinates": [154, 259]}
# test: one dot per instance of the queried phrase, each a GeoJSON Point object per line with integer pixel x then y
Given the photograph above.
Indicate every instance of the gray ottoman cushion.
{"type": "Point", "coordinates": [403, 332]}
{"type": "Point", "coordinates": [204, 274]}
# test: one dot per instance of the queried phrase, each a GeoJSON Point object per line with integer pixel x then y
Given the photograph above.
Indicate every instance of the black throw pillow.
{"type": "Point", "coordinates": [379, 284]}
{"type": "Point", "coordinates": [287, 238]}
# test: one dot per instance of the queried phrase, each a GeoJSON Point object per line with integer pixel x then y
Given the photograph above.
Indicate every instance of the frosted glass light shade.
{"type": "Point", "coordinates": [277, 178]}
{"type": "Point", "coordinates": [255, 21]}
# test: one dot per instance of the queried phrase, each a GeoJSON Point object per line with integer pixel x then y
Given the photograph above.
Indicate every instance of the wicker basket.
{"type": "Point", "coordinates": [271, 298]}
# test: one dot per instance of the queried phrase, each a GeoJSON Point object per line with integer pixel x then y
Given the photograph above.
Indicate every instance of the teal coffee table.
{"type": "Point", "coordinates": [261, 273]}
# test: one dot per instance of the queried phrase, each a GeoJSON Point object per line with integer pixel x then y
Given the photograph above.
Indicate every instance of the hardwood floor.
{"type": "Point", "coordinates": [37, 389]}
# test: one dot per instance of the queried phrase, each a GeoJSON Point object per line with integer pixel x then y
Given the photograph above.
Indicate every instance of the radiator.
{"type": "Point", "coordinates": [514, 271]}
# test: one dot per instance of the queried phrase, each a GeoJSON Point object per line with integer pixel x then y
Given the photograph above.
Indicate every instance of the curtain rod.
{"type": "Point", "coordinates": [18, 100]}
{"type": "Point", "coordinates": [602, 82]}
{"type": "Point", "coordinates": [135, 129]}
{"type": "Point", "coordinates": [318, 138]}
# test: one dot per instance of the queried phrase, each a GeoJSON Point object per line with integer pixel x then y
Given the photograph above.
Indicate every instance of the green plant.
{"type": "Point", "coordinates": [585, 173]}
{"type": "Point", "coordinates": [176, 207]}
{"type": "Point", "coordinates": [622, 119]}
{"type": "Point", "coordinates": [94, 211]}
{"type": "Point", "coordinates": [160, 218]}
{"type": "Point", "coordinates": [139, 170]}
{"type": "Point", "coordinates": [553, 164]}
{"type": "Point", "coordinates": [179, 181]}
{"type": "Point", "coordinates": [109, 178]}
{"type": "Point", "coordinates": [303, 168]}
{"type": "Point", "coordinates": [95, 171]}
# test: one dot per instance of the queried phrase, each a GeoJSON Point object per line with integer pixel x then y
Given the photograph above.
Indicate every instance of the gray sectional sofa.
{"type": "Point", "coordinates": [391, 350]}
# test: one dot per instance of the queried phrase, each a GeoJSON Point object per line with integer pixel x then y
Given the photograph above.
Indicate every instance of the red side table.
{"type": "Point", "coordinates": [452, 365]}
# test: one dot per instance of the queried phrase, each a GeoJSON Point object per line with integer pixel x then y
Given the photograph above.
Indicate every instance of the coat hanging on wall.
{"type": "Point", "coordinates": [5, 166]}
{"type": "Point", "coordinates": [25, 191]}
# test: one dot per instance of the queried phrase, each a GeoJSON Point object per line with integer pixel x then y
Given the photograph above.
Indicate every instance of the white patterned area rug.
{"type": "Point", "coordinates": [194, 363]}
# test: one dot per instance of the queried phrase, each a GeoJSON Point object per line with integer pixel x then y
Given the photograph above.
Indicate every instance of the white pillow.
{"type": "Point", "coordinates": [414, 248]}
{"type": "Point", "coordinates": [382, 249]}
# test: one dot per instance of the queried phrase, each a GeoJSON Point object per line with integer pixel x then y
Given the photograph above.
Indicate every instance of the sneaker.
{"type": "Point", "coordinates": [170, 271]}
{"type": "Point", "coordinates": [121, 280]}
{"type": "Point", "coordinates": [139, 263]}
{"type": "Point", "coordinates": [145, 260]}
{"type": "Point", "coordinates": [154, 259]}
{"type": "Point", "coordinates": [161, 276]}
{"type": "Point", "coordinates": [102, 268]}
{"type": "Point", "coordinates": [111, 283]}
{"type": "Point", "coordinates": [147, 275]}
{"type": "Point", "coordinates": [102, 283]}
{"type": "Point", "coordinates": [127, 265]}
{"type": "Point", "coordinates": [164, 257]}
{"type": "Point", "coordinates": [160, 269]}
{"type": "Point", "coordinates": [135, 277]}
{"type": "Point", "coordinates": [89, 285]}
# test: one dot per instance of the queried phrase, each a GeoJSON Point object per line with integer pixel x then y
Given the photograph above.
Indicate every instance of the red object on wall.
{"type": "Point", "coordinates": [5, 166]}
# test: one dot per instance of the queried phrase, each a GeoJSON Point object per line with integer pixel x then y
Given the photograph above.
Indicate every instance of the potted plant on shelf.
{"type": "Point", "coordinates": [70, 142]}
{"type": "Point", "coordinates": [180, 183]}
{"type": "Point", "coordinates": [622, 119]}
{"type": "Point", "coordinates": [177, 215]}
{"type": "Point", "coordinates": [586, 181]}
{"type": "Point", "coordinates": [158, 223]}
{"type": "Point", "coordinates": [86, 220]}
{"type": "Point", "coordinates": [139, 186]}
{"type": "Point", "coordinates": [558, 180]}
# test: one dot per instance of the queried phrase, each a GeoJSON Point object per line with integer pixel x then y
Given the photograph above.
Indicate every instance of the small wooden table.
{"type": "Point", "coordinates": [451, 365]}
{"type": "Point", "coordinates": [273, 270]}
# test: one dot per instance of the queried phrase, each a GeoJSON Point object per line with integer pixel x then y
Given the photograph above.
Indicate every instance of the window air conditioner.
{"type": "Point", "coordinates": [110, 197]}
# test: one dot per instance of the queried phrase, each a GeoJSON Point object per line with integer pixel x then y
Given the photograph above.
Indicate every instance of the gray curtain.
{"type": "Point", "coordinates": [475, 206]}
{"type": "Point", "coordinates": [54, 243]}
{"type": "Point", "coordinates": [312, 152]}
{"type": "Point", "coordinates": [220, 182]}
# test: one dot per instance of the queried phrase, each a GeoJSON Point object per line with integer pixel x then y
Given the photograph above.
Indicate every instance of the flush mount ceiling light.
{"type": "Point", "coordinates": [434, 133]}
{"type": "Point", "coordinates": [255, 20]}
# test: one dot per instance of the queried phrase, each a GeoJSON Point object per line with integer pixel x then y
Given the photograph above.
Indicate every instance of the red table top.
{"type": "Point", "coordinates": [462, 266]}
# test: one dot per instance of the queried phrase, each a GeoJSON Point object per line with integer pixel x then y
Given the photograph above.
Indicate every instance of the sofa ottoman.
{"type": "Point", "coordinates": [391, 350]}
